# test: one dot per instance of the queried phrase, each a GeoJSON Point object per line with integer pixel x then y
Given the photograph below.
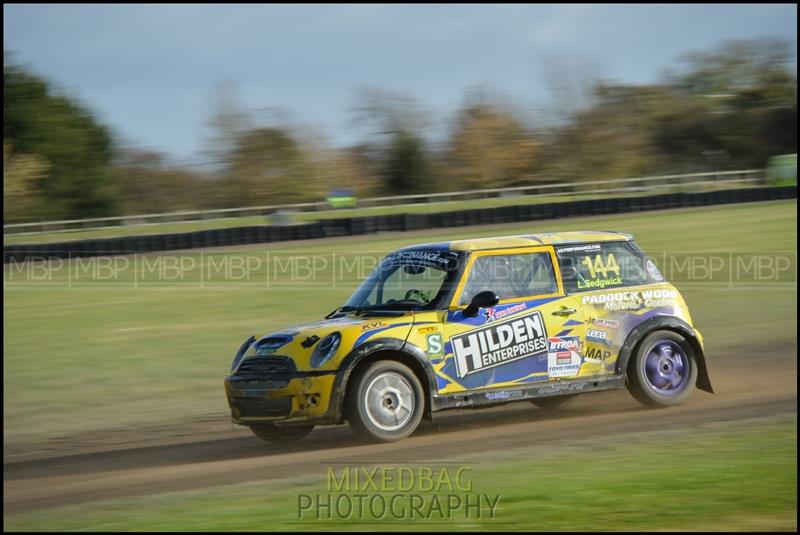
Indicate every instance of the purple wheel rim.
{"type": "Point", "coordinates": [666, 367]}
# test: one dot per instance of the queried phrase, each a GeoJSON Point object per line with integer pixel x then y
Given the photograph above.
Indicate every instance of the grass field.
{"type": "Point", "coordinates": [84, 353]}
{"type": "Point", "coordinates": [731, 476]}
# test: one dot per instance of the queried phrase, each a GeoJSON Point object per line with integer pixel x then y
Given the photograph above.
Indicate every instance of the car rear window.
{"type": "Point", "coordinates": [596, 266]}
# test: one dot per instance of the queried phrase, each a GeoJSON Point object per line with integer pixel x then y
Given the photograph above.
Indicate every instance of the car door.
{"type": "Point", "coordinates": [534, 333]}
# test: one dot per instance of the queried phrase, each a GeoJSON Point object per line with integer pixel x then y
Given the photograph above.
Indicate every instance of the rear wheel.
{"type": "Point", "coordinates": [281, 435]}
{"type": "Point", "coordinates": [663, 371]}
{"type": "Point", "coordinates": [551, 403]}
{"type": "Point", "coordinates": [386, 402]}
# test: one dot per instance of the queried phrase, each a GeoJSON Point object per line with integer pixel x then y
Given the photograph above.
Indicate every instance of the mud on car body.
{"type": "Point", "coordinates": [475, 323]}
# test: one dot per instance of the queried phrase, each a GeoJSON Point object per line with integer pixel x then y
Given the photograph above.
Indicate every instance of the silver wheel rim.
{"type": "Point", "coordinates": [389, 401]}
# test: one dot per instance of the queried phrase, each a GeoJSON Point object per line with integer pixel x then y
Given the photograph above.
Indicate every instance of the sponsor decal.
{"type": "Point", "coordinates": [557, 387]}
{"type": "Point", "coordinates": [653, 271]}
{"type": "Point", "coordinates": [495, 314]}
{"type": "Point", "coordinates": [595, 354]}
{"type": "Point", "coordinates": [563, 356]}
{"type": "Point", "coordinates": [423, 258]}
{"type": "Point", "coordinates": [564, 343]}
{"type": "Point", "coordinates": [368, 326]}
{"type": "Point", "coordinates": [604, 323]}
{"type": "Point", "coordinates": [573, 248]}
{"type": "Point", "coordinates": [632, 300]}
{"type": "Point", "coordinates": [506, 394]}
{"type": "Point", "coordinates": [499, 343]}
{"type": "Point", "coordinates": [596, 335]}
{"type": "Point", "coordinates": [435, 345]}
{"type": "Point", "coordinates": [425, 330]}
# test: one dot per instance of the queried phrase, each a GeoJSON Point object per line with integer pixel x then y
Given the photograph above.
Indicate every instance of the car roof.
{"type": "Point", "coordinates": [527, 240]}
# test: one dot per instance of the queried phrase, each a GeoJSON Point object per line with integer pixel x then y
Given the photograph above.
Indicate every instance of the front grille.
{"type": "Point", "coordinates": [248, 408]}
{"type": "Point", "coordinates": [265, 367]}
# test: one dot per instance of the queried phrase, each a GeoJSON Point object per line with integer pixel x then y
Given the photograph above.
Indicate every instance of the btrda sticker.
{"type": "Point", "coordinates": [499, 344]}
{"type": "Point", "coordinates": [563, 356]}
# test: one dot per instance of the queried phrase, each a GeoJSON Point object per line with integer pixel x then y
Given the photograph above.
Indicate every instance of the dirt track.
{"type": "Point", "coordinates": [748, 386]}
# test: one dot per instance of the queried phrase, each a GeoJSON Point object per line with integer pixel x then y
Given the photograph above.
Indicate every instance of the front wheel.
{"type": "Point", "coordinates": [386, 402]}
{"type": "Point", "coordinates": [281, 435]}
{"type": "Point", "coordinates": [663, 371]}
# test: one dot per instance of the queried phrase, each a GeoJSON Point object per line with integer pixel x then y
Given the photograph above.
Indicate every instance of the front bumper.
{"type": "Point", "coordinates": [295, 397]}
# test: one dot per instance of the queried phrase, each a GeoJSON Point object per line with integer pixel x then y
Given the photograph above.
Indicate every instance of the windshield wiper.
{"type": "Point", "coordinates": [397, 305]}
{"type": "Point", "coordinates": [345, 308]}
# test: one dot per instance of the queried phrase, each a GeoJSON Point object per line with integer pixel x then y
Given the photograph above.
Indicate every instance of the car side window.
{"type": "Point", "coordinates": [510, 276]}
{"type": "Point", "coordinates": [596, 266]}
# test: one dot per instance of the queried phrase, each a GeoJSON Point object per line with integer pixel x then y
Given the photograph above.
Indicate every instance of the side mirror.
{"type": "Point", "coordinates": [484, 299]}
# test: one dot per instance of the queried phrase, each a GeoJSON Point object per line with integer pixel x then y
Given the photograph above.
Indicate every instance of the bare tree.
{"type": "Point", "coordinates": [381, 112]}
{"type": "Point", "coordinates": [227, 122]}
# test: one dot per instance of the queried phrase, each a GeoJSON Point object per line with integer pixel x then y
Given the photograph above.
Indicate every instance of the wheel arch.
{"type": "Point", "coordinates": [383, 349]}
{"type": "Point", "coordinates": [667, 323]}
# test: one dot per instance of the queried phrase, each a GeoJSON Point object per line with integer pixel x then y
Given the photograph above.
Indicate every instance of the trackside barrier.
{"type": "Point", "coordinates": [752, 177]}
{"type": "Point", "coordinates": [355, 226]}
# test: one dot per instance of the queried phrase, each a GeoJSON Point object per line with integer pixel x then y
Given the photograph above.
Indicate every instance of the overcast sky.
{"type": "Point", "coordinates": [150, 71]}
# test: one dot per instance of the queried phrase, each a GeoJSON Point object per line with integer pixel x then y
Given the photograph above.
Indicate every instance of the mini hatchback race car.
{"type": "Point", "coordinates": [475, 323]}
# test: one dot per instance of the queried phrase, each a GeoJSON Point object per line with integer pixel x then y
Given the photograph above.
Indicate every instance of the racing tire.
{"type": "Point", "coordinates": [663, 370]}
{"type": "Point", "coordinates": [386, 402]}
{"type": "Point", "coordinates": [281, 435]}
{"type": "Point", "coordinates": [551, 403]}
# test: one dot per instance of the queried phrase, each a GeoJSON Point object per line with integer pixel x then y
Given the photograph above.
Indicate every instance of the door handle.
{"type": "Point", "coordinates": [563, 311]}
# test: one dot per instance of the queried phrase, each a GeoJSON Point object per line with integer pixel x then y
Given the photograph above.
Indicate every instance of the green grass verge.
{"type": "Point", "coordinates": [103, 354]}
{"type": "Point", "coordinates": [724, 476]}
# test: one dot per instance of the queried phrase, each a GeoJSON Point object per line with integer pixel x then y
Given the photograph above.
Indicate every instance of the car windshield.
{"type": "Point", "coordinates": [409, 279]}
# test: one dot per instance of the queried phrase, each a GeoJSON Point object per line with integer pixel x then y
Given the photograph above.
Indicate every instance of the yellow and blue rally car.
{"type": "Point", "coordinates": [474, 323]}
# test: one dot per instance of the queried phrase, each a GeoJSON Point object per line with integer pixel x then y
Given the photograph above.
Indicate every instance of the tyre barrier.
{"type": "Point", "coordinates": [354, 226]}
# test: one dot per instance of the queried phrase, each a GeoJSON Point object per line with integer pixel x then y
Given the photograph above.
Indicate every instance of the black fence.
{"type": "Point", "coordinates": [354, 226]}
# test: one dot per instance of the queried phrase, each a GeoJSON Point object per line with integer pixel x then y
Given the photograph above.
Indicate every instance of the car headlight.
{"type": "Point", "coordinates": [241, 352]}
{"type": "Point", "coordinates": [325, 349]}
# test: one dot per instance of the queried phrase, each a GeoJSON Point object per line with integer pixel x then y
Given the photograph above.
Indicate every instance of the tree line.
{"type": "Point", "coordinates": [727, 108]}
